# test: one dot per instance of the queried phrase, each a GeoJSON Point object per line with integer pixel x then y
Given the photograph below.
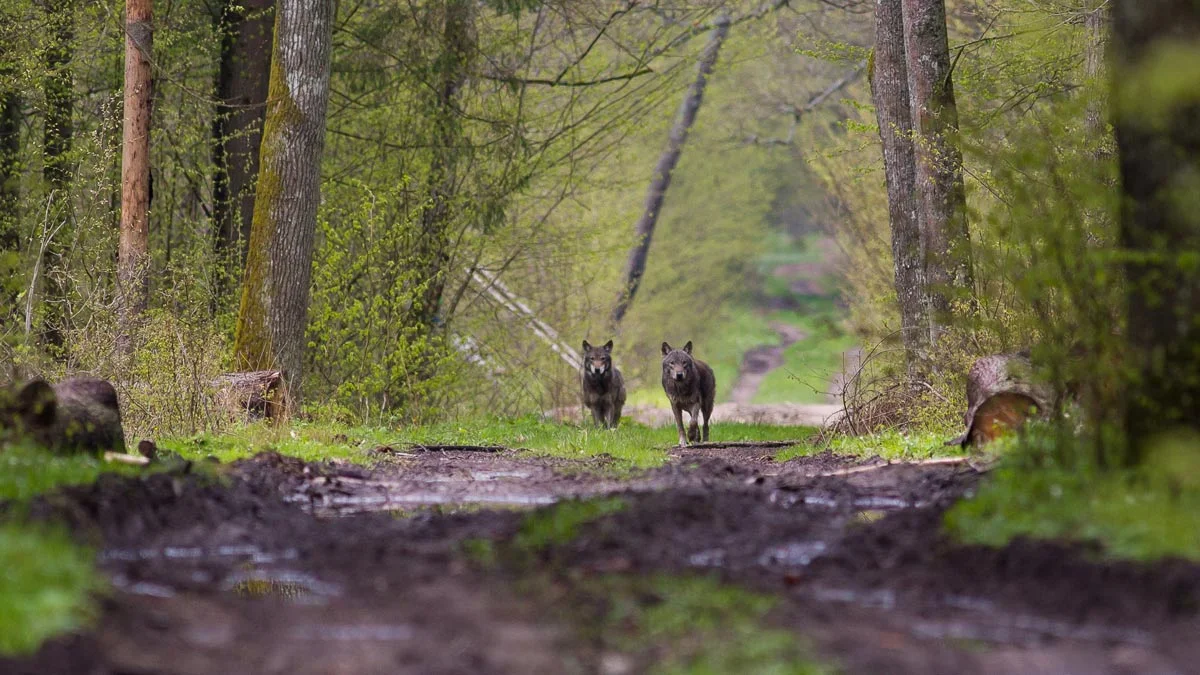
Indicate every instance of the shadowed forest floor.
{"type": "Point", "coordinates": [721, 560]}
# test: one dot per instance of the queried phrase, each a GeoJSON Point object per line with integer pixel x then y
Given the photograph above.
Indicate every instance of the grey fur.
{"type": "Point", "coordinates": [80, 414]}
{"type": "Point", "coordinates": [603, 386]}
{"type": "Point", "coordinates": [690, 385]}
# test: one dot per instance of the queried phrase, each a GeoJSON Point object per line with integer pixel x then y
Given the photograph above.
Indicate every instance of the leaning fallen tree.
{"type": "Point", "coordinates": [1002, 394]}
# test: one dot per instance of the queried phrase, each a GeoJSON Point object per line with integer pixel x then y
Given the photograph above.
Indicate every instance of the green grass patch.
{"type": "Point", "coordinates": [1146, 514]}
{"type": "Point", "coordinates": [699, 625]}
{"type": "Point", "coordinates": [27, 470]}
{"type": "Point", "coordinates": [810, 364]}
{"type": "Point", "coordinates": [893, 446]}
{"type": "Point", "coordinates": [632, 445]}
{"type": "Point", "coordinates": [560, 523]}
{"type": "Point", "coordinates": [46, 586]}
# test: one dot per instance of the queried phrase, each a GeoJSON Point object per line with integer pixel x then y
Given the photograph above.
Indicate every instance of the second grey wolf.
{"type": "Point", "coordinates": [603, 386]}
{"type": "Point", "coordinates": [80, 414]}
{"type": "Point", "coordinates": [691, 386]}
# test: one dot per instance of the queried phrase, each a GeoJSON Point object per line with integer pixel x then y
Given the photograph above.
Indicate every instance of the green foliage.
{"type": "Point", "coordinates": [46, 588]}
{"type": "Point", "coordinates": [1145, 514]}
{"type": "Point", "coordinates": [699, 625]}
{"type": "Point", "coordinates": [559, 524]}
{"type": "Point", "coordinates": [368, 352]}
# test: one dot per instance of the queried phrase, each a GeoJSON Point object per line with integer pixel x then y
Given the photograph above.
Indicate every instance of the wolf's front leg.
{"type": "Point", "coordinates": [694, 425]}
{"type": "Point", "coordinates": [679, 424]}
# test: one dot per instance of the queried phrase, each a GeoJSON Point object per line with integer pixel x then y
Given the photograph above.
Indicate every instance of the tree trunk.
{"type": "Point", "coordinates": [133, 253]}
{"type": "Point", "coordinates": [1093, 65]}
{"type": "Point", "coordinates": [433, 243]}
{"type": "Point", "coordinates": [57, 133]}
{"type": "Point", "coordinates": [941, 198]}
{"type": "Point", "coordinates": [889, 89]}
{"type": "Point", "coordinates": [635, 266]}
{"type": "Point", "coordinates": [10, 170]}
{"type": "Point", "coordinates": [242, 83]}
{"type": "Point", "coordinates": [58, 90]}
{"type": "Point", "coordinates": [1158, 139]}
{"type": "Point", "coordinates": [275, 288]}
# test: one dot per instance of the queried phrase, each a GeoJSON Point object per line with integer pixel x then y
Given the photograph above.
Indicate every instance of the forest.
{"type": "Point", "coordinates": [362, 336]}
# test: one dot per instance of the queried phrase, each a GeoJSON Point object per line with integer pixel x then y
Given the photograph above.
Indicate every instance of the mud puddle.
{"type": "Point", "coordinates": [286, 567]}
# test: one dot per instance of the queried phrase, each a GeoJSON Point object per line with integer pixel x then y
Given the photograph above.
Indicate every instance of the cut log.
{"type": "Point", "coordinates": [80, 414]}
{"type": "Point", "coordinates": [1001, 396]}
{"type": "Point", "coordinates": [256, 394]}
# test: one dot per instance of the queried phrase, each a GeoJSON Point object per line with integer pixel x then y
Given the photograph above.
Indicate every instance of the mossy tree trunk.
{"type": "Point", "coordinates": [273, 314]}
{"type": "Point", "coordinates": [1158, 138]}
{"type": "Point", "coordinates": [889, 89]}
{"type": "Point", "coordinates": [242, 81]}
{"type": "Point", "coordinates": [660, 180]}
{"type": "Point", "coordinates": [133, 257]}
{"type": "Point", "coordinates": [941, 198]}
{"type": "Point", "coordinates": [434, 240]}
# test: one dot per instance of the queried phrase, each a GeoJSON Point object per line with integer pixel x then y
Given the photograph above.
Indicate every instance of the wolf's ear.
{"type": "Point", "coordinates": [666, 349]}
{"type": "Point", "coordinates": [688, 347]}
{"type": "Point", "coordinates": [37, 403]}
{"type": "Point", "coordinates": [608, 346]}
{"type": "Point", "coordinates": [586, 346]}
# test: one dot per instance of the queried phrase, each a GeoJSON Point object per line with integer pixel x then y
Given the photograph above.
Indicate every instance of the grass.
{"type": "Point", "coordinates": [46, 586]}
{"type": "Point", "coordinates": [26, 470]}
{"type": "Point", "coordinates": [560, 523]}
{"type": "Point", "coordinates": [1147, 514]}
{"type": "Point", "coordinates": [631, 446]}
{"type": "Point", "coordinates": [810, 364]}
{"type": "Point", "coordinates": [47, 582]}
{"type": "Point", "coordinates": [893, 446]}
{"type": "Point", "coordinates": [696, 624]}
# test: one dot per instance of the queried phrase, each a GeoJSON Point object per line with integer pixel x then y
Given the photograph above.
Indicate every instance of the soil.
{"type": "Point", "coordinates": [278, 566]}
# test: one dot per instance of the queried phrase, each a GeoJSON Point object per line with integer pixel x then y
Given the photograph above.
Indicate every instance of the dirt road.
{"type": "Point", "coordinates": [428, 564]}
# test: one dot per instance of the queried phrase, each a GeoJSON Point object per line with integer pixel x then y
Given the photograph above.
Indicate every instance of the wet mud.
{"type": "Point", "coordinates": [273, 565]}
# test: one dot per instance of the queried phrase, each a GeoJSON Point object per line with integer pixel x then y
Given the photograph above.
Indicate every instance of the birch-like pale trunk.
{"type": "Point", "coordinates": [941, 198]}
{"type": "Point", "coordinates": [275, 287]}
{"type": "Point", "coordinates": [635, 266]}
{"type": "Point", "coordinates": [133, 250]}
{"type": "Point", "coordinates": [889, 89]}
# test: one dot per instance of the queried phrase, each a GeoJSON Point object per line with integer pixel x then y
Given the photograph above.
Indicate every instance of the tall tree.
{"type": "Point", "coordinates": [133, 252]}
{"type": "Point", "coordinates": [57, 134]}
{"type": "Point", "coordinates": [889, 89]}
{"type": "Point", "coordinates": [660, 180]}
{"type": "Point", "coordinates": [275, 287]}
{"type": "Point", "coordinates": [242, 82]}
{"type": "Point", "coordinates": [941, 198]}
{"type": "Point", "coordinates": [1157, 120]}
{"type": "Point", "coordinates": [434, 240]}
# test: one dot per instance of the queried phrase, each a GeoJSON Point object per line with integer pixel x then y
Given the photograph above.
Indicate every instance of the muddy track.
{"type": "Point", "coordinates": [286, 567]}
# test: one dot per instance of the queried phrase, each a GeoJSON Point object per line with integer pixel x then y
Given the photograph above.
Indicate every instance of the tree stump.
{"type": "Point", "coordinates": [256, 394]}
{"type": "Point", "coordinates": [1001, 395]}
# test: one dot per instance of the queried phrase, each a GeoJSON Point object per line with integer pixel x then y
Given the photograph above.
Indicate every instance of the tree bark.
{"type": "Point", "coordinates": [133, 252]}
{"type": "Point", "coordinates": [275, 287]}
{"type": "Point", "coordinates": [10, 170]}
{"type": "Point", "coordinates": [635, 266]}
{"type": "Point", "coordinates": [242, 83]}
{"type": "Point", "coordinates": [941, 197]}
{"type": "Point", "coordinates": [1093, 65]}
{"type": "Point", "coordinates": [57, 133]}
{"type": "Point", "coordinates": [1158, 140]}
{"type": "Point", "coordinates": [434, 240]}
{"type": "Point", "coordinates": [889, 89]}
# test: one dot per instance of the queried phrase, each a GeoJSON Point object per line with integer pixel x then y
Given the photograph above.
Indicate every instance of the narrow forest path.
{"type": "Point", "coordinates": [760, 361]}
{"type": "Point", "coordinates": [454, 561]}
